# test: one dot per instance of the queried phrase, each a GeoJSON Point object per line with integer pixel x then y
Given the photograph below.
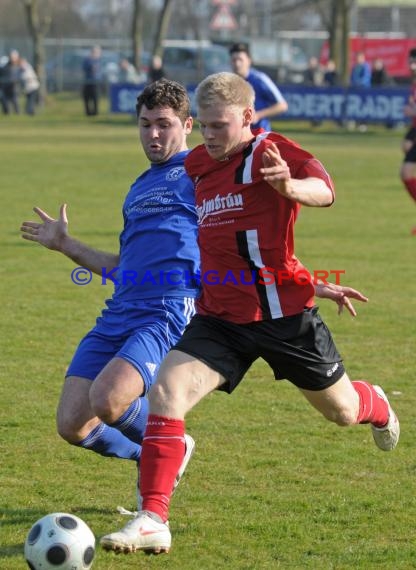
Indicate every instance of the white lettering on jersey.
{"type": "Point", "coordinates": [219, 205]}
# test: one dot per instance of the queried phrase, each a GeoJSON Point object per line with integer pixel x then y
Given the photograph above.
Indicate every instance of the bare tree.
{"type": "Point", "coordinates": [38, 26]}
{"type": "Point", "coordinates": [339, 32]}
{"type": "Point", "coordinates": [337, 23]}
{"type": "Point", "coordinates": [137, 31]}
{"type": "Point", "coordinates": [162, 27]}
{"type": "Point", "coordinates": [346, 7]}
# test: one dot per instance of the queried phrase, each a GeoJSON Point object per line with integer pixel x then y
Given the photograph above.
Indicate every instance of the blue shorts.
{"type": "Point", "coordinates": [140, 332]}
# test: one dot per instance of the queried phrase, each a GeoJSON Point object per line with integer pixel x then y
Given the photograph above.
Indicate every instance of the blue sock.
{"type": "Point", "coordinates": [109, 442]}
{"type": "Point", "coordinates": [133, 422]}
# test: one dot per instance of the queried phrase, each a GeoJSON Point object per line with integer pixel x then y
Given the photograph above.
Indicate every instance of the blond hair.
{"type": "Point", "coordinates": [224, 87]}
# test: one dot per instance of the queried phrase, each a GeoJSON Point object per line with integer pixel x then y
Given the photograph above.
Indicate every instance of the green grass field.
{"type": "Point", "coordinates": [272, 484]}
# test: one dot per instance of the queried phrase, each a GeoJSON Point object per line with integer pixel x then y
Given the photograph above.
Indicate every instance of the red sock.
{"type": "Point", "coordinates": [410, 184]}
{"type": "Point", "coordinates": [162, 454]}
{"type": "Point", "coordinates": [373, 409]}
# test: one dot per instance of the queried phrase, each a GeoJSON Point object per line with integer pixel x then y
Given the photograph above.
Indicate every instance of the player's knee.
{"type": "Point", "coordinates": [163, 401]}
{"type": "Point", "coordinates": [67, 431]}
{"type": "Point", "coordinates": [405, 173]}
{"type": "Point", "coordinates": [408, 171]}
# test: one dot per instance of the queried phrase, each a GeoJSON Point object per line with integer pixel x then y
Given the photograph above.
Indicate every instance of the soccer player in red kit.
{"type": "Point", "coordinates": [249, 188]}
{"type": "Point", "coordinates": [408, 169]}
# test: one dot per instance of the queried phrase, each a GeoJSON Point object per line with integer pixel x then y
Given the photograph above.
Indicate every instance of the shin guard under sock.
{"type": "Point", "coordinates": [373, 409]}
{"type": "Point", "coordinates": [162, 454]}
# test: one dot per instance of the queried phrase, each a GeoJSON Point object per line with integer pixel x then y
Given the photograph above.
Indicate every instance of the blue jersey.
{"type": "Point", "coordinates": [158, 245]}
{"type": "Point", "coordinates": [361, 75]}
{"type": "Point", "coordinates": [267, 94]}
{"type": "Point", "coordinates": [92, 70]}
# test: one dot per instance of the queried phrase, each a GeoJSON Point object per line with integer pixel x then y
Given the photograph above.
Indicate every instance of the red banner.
{"type": "Point", "coordinates": [393, 51]}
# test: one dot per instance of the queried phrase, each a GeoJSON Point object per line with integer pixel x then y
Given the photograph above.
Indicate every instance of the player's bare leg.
{"type": "Point", "coordinates": [75, 418]}
{"type": "Point", "coordinates": [347, 403]}
{"type": "Point", "coordinates": [91, 414]}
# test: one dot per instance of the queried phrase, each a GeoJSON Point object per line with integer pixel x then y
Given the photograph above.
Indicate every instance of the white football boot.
{"type": "Point", "coordinates": [145, 531]}
{"type": "Point", "coordinates": [386, 437]}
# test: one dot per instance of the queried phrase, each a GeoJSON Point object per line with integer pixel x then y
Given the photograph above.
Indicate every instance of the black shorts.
{"type": "Point", "coordinates": [298, 348]}
{"type": "Point", "coordinates": [411, 135]}
{"type": "Point", "coordinates": [411, 154]}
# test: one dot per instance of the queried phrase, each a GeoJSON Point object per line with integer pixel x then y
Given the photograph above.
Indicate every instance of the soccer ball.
{"type": "Point", "coordinates": [60, 541]}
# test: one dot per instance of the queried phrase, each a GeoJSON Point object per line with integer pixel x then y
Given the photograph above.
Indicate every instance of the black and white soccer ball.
{"type": "Point", "coordinates": [60, 541]}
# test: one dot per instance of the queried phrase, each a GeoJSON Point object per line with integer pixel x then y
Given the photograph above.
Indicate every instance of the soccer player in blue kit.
{"type": "Point", "coordinates": [269, 101]}
{"type": "Point", "coordinates": [102, 405]}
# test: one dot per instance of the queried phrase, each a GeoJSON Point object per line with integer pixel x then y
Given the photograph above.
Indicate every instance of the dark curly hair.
{"type": "Point", "coordinates": [165, 93]}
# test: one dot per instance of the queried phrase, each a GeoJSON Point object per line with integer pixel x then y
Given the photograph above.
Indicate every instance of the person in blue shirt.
{"type": "Point", "coordinates": [91, 67]}
{"type": "Point", "coordinates": [269, 101]}
{"type": "Point", "coordinates": [361, 72]}
{"type": "Point", "coordinates": [360, 78]}
{"type": "Point", "coordinates": [102, 405]}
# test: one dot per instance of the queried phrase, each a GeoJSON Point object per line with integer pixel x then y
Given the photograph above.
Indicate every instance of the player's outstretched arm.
{"type": "Point", "coordinates": [53, 234]}
{"type": "Point", "coordinates": [340, 295]}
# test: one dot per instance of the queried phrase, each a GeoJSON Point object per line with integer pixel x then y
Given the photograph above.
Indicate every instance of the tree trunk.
{"type": "Point", "coordinates": [162, 27]}
{"type": "Point", "coordinates": [333, 26]}
{"type": "Point", "coordinates": [339, 33]}
{"type": "Point", "coordinates": [137, 33]}
{"type": "Point", "coordinates": [345, 41]}
{"type": "Point", "coordinates": [37, 30]}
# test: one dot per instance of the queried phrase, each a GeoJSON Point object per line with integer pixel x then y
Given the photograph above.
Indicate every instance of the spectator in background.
{"type": "Point", "coordinates": [313, 73]}
{"type": "Point", "coordinates": [330, 78]}
{"type": "Point", "coordinates": [92, 77]}
{"type": "Point", "coordinates": [3, 62]}
{"type": "Point", "coordinates": [379, 76]}
{"type": "Point", "coordinates": [127, 72]}
{"type": "Point", "coordinates": [361, 72]}
{"type": "Point", "coordinates": [361, 78]}
{"type": "Point", "coordinates": [269, 101]}
{"type": "Point", "coordinates": [10, 77]}
{"type": "Point", "coordinates": [156, 70]}
{"type": "Point", "coordinates": [313, 77]}
{"type": "Point", "coordinates": [30, 84]}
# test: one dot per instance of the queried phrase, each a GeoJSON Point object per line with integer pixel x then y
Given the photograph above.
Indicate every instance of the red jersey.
{"type": "Point", "coordinates": [245, 225]}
